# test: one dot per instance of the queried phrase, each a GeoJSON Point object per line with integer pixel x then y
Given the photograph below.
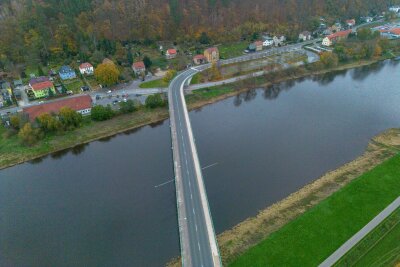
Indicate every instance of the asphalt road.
{"type": "Point", "coordinates": [197, 237]}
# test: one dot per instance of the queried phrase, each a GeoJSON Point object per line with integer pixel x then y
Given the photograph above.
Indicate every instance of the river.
{"type": "Point", "coordinates": [100, 204]}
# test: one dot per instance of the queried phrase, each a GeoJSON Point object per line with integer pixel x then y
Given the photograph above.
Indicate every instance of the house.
{"type": "Point", "coordinates": [350, 23]}
{"type": "Point", "coordinates": [328, 31]}
{"type": "Point", "coordinates": [368, 19]}
{"type": "Point", "coordinates": [6, 87]}
{"type": "Point", "coordinates": [279, 40]}
{"type": "Point", "coordinates": [171, 53]}
{"type": "Point", "coordinates": [5, 92]}
{"type": "Point", "coordinates": [138, 67]}
{"type": "Point", "coordinates": [199, 59]}
{"type": "Point", "coordinates": [66, 73]}
{"type": "Point", "coordinates": [211, 54]}
{"type": "Point", "coordinates": [392, 33]}
{"type": "Point", "coordinates": [335, 37]}
{"type": "Point", "coordinates": [86, 68]}
{"type": "Point", "coordinates": [18, 87]}
{"type": "Point", "coordinates": [337, 27]}
{"type": "Point", "coordinates": [259, 45]}
{"type": "Point", "coordinates": [251, 48]}
{"type": "Point", "coordinates": [81, 104]}
{"type": "Point", "coordinates": [38, 80]}
{"type": "Point", "coordinates": [305, 36]}
{"type": "Point", "coordinates": [42, 89]}
{"type": "Point", "coordinates": [18, 83]}
{"type": "Point", "coordinates": [268, 42]}
{"type": "Point", "coordinates": [395, 9]}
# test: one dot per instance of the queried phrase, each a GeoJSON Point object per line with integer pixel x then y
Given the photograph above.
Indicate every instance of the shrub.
{"type": "Point", "coordinates": [154, 101]}
{"type": "Point", "coordinates": [101, 113]}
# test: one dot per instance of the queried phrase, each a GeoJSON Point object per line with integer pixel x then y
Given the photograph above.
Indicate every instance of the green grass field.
{"type": "Point", "coordinates": [381, 247]}
{"type": "Point", "coordinates": [232, 50]}
{"type": "Point", "coordinates": [74, 85]}
{"type": "Point", "coordinates": [313, 236]}
{"type": "Point", "coordinates": [160, 83]}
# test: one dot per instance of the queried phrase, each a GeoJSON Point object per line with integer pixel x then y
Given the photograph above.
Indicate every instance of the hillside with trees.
{"type": "Point", "coordinates": [37, 31]}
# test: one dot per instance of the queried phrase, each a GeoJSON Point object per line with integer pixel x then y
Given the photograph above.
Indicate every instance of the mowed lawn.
{"type": "Point", "coordinates": [233, 49]}
{"type": "Point", "coordinates": [313, 236]}
{"type": "Point", "coordinates": [385, 250]}
{"type": "Point", "coordinates": [159, 83]}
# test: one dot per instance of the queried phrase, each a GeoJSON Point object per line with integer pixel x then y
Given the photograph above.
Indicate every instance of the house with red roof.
{"type": "Point", "coordinates": [41, 88]}
{"type": "Point", "coordinates": [199, 59]}
{"type": "Point", "coordinates": [211, 54]}
{"type": "Point", "coordinates": [138, 67]}
{"type": "Point", "coordinates": [171, 53]}
{"type": "Point", "coordinates": [258, 45]}
{"type": "Point", "coordinates": [350, 23]}
{"type": "Point", "coordinates": [81, 104]}
{"type": "Point", "coordinates": [86, 68]}
{"type": "Point", "coordinates": [335, 37]}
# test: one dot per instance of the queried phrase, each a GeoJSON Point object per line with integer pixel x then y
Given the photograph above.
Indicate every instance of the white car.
{"type": "Point", "coordinates": [109, 92]}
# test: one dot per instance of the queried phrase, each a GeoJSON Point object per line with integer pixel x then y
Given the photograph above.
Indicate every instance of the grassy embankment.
{"type": "Point", "coordinates": [12, 152]}
{"type": "Point", "coordinates": [159, 83]}
{"type": "Point", "coordinates": [381, 247]}
{"type": "Point", "coordinates": [313, 236]}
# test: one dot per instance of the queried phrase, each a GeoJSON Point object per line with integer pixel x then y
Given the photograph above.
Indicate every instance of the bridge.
{"type": "Point", "coordinates": [197, 236]}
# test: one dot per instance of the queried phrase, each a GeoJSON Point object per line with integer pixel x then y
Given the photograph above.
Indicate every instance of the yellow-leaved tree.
{"type": "Point", "coordinates": [107, 73]}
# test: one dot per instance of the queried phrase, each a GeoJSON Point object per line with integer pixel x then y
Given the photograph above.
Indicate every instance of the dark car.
{"type": "Point", "coordinates": [85, 88]}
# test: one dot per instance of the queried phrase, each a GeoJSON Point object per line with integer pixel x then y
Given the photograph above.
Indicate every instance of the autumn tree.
{"type": "Point", "coordinates": [28, 135]}
{"type": "Point", "coordinates": [169, 75]}
{"type": "Point", "coordinates": [215, 73]}
{"type": "Point", "coordinates": [329, 59]}
{"type": "Point", "coordinates": [69, 118]}
{"type": "Point", "coordinates": [15, 122]}
{"type": "Point", "coordinates": [48, 123]}
{"type": "Point", "coordinates": [107, 74]}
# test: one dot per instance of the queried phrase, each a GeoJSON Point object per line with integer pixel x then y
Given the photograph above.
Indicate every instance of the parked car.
{"type": "Point", "coordinates": [85, 88]}
{"type": "Point", "coordinates": [98, 97]}
{"type": "Point", "coordinates": [109, 92]}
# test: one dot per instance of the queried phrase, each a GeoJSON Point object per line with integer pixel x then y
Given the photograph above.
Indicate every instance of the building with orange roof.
{"type": "Point", "coordinates": [81, 104]}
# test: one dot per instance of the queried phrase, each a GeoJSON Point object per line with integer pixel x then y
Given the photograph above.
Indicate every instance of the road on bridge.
{"type": "Point", "coordinates": [197, 237]}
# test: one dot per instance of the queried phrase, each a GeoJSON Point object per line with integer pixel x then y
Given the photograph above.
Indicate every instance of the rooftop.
{"type": "Point", "coordinates": [75, 103]}
{"type": "Point", "coordinates": [85, 65]}
{"type": "Point", "coordinates": [41, 85]}
{"type": "Point", "coordinates": [138, 65]}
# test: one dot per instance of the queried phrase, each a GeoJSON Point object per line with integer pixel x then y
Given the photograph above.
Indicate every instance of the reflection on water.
{"type": "Point", "coordinates": [97, 204]}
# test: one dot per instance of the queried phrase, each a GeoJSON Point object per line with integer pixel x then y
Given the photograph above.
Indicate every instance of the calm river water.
{"type": "Point", "coordinates": [98, 204]}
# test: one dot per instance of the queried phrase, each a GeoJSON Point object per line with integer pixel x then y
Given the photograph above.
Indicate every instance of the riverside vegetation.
{"type": "Point", "coordinates": [38, 140]}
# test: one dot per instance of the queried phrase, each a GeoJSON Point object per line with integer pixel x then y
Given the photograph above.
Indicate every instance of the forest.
{"type": "Point", "coordinates": [37, 31]}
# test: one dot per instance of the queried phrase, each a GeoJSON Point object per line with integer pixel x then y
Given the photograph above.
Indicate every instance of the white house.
{"type": "Point", "coordinates": [268, 42]}
{"type": "Point", "coordinates": [326, 41]}
{"type": "Point", "coordinates": [305, 36]}
{"type": "Point", "coordinates": [279, 40]}
{"type": "Point", "coordinates": [86, 68]}
{"type": "Point", "coordinates": [395, 9]}
{"type": "Point", "coordinates": [368, 19]}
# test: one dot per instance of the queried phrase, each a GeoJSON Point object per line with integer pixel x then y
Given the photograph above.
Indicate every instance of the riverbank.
{"type": "Point", "coordinates": [251, 233]}
{"type": "Point", "coordinates": [13, 153]}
